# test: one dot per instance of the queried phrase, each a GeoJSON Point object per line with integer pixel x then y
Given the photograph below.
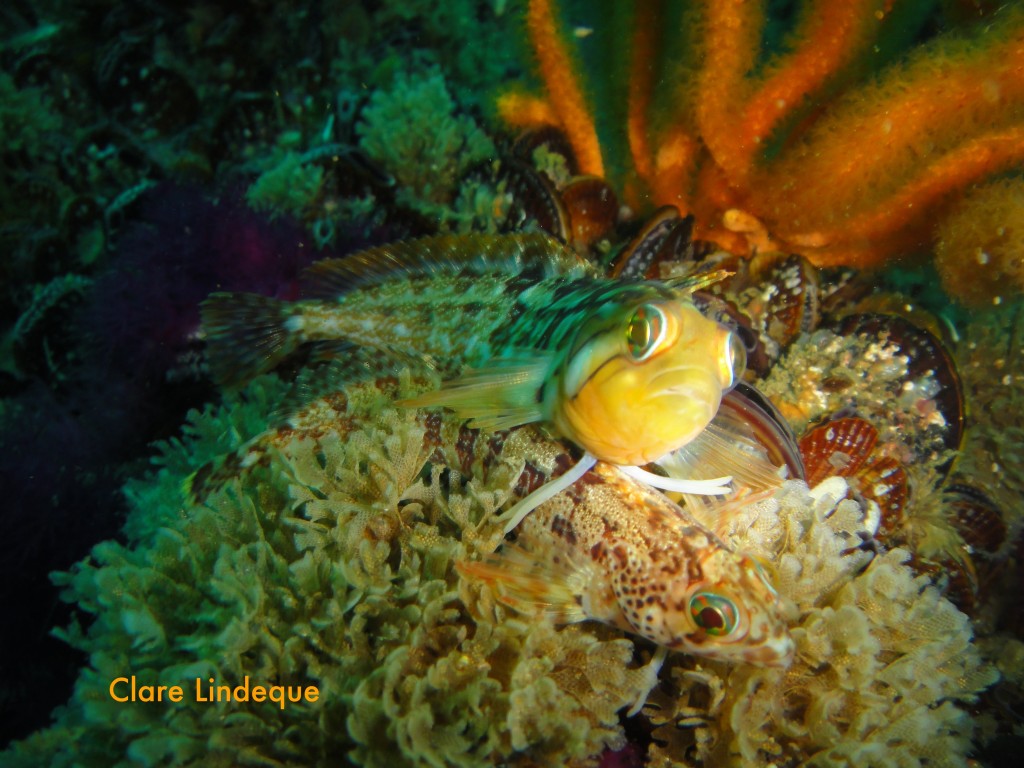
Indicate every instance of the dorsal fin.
{"type": "Point", "coordinates": [477, 254]}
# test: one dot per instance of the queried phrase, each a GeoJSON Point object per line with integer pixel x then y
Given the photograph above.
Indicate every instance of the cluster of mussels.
{"type": "Point", "coordinates": [880, 403]}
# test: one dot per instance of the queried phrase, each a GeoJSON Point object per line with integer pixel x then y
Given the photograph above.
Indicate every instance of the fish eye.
{"type": "Point", "coordinates": [645, 331]}
{"type": "Point", "coordinates": [713, 613]}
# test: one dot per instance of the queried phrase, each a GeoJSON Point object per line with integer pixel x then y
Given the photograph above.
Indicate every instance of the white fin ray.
{"type": "Point", "coordinates": [723, 451]}
{"type": "Point", "coordinates": [650, 670]}
{"type": "Point", "coordinates": [549, 490]}
{"type": "Point", "coordinates": [718, 486]}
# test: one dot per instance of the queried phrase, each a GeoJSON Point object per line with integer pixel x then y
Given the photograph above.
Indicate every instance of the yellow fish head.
{"type": "Point", "coordinates": [645, 381]}
{"type": "Point", "coordinates": [733, 617]}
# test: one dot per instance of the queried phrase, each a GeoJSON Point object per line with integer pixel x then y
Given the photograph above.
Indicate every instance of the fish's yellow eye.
{"type": "Point", "coordinates": [645, 331]}
{"type": "Point", "coordinates": [713, 613]}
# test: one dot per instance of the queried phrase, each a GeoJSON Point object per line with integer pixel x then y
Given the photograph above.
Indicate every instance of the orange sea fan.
{"type": "Point", "coordinates": [846, 145]}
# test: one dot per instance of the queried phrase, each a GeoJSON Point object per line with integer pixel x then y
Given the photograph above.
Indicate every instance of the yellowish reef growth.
{"type": "Point", "coordinates": [824, 372]}
{"type": "Point", "coordinates": [882, 659]}
{"type": "Point", "coordinates": [322, 553]}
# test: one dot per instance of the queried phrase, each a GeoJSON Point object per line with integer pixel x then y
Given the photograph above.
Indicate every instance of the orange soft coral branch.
{"type": "Point", "coordinates": [674, 166]}
{"type": "Point", "coordinates": [859, 179]}
{"type": "Point", "coordinates": [971, 162]}
{"type": "Point", "coordinates": [563, 86]}
{"type": "Point", "coordinates": [830, 38]}
{"type": "Point", "coordinates": [731, 39]}
{"type": "Point", "coordinates": [878, 138]}
{"type": "Point", "coordinates": [523, 111]}
{"type": "Point", "coordinates": [641, 81]}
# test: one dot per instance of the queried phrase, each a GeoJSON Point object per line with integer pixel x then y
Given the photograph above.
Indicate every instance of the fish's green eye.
{"type": "Point", "coordinates": [713, 613]}
{"type": "Point", "coordinates": [645, 331]}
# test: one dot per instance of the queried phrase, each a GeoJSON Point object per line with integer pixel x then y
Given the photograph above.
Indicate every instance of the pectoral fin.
{"type": "Point", "coordinates": [530, 584]}
{"type": "Point", "coordinates": [499, 396]}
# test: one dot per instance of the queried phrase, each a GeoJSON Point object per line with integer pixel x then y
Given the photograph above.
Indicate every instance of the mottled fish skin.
{"type": "Point", "coordinates": [443, 299]}
{"type": "Point", "coordinates": [608, 548]}
{"type": "Point", "coordinates": [628, 369]}
{"type": "Point", "coordinates": [613, 550]}
{"type": "Point", "coordinates": [459, 320]}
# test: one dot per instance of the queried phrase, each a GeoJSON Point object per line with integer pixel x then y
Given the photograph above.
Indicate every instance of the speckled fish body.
{"type": "Point", "coordinates": [607, 549]}
{"type": "Point", "coordinates": [630, 370]}
{"type": "Point", "coordinates": [613, 550]}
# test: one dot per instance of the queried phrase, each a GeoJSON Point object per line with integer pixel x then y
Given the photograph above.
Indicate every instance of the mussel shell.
{"type": "Point", "coordinates": [745, 404]}
{"type": "Point", "coordinates": [546, 136]}
{"type": "Point", "coordinates": [534, 199]}
{"type": "Point", "coordinates": [109, 153]}
{"type": "Point", "coordinates": [925, 355]}
{"type": "Point", "coordinates": [977, 518]}
{"type": "Point", "coordinates": [794, 305]}
{"type": "Point", "coordinates": [884, 481]}
{"type": "Point", "coordinates": [665, 236]}
{"type": "Point", "coordinates": [79, 214]}
{"type": "Point", "coordinates": [247, 121]}
{"type": "Point", "coordinates": [838, 447]}
{"type": "Point", "coordinates": [171, 103]}
{"type": "Point", "coordinates": [727, 313]}
{"type": "Point", "coordinates": [593, 209]}
{"type": "Point", "coordinates": [143, 94]}
{"type": "Point", "coordinates": [956, 579]}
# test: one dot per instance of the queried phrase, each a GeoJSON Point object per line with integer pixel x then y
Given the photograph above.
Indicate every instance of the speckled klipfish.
{"type": "Point", "coordinates": [614, 550]}
{"type": "Point", "coordinates": [525, 330]}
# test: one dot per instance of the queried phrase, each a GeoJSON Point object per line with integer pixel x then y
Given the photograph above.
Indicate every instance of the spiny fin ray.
{"type": "Point", "coordinates": [692, 283]}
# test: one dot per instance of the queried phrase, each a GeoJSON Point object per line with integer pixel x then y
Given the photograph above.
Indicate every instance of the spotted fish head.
{"type": "Point", "coordinates": [730, 614]}
{"type": "Point", "coordinates": [645, 379]}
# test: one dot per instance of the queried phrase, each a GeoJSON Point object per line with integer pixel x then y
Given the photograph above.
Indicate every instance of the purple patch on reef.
{"type": "Point", "coordinates": [183, 246]}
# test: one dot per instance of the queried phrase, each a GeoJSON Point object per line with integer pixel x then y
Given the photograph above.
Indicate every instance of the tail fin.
{"type": "Point", "coordinates": [245, 335]}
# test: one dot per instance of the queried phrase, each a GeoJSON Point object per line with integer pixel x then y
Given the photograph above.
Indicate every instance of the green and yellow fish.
{"type": "Point", "coordinates": [525, 331]}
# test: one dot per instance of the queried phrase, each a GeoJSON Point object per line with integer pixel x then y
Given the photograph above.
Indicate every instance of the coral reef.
{"type": "Point", "coordinates": [155, 153]}
{"type": "Point", "coordinates": [785, 143]}
{"type": "Point", "coordinates": [425, 164]}
{"type": "Point", "coordinates": [825, 372]}
{"type": "Point", "coordinates": [106, 109]}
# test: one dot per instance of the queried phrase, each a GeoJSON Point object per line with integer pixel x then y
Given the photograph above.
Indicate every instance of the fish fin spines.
{"type": "Point", "coordinates": [246, 335]}
{"type": "Point", "coordinates": [442, 255]}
